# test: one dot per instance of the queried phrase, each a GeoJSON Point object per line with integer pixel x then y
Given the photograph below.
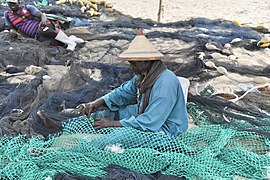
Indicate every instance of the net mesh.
{"type": "Point", "coordinates": [204, 152]}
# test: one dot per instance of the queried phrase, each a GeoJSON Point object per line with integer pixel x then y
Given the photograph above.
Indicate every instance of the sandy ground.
{"type": "Point", "coordinates": [250, 12]}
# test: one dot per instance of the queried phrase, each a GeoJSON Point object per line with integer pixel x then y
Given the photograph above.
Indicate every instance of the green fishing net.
{"type": "Point", "coordinates": [203, 152]}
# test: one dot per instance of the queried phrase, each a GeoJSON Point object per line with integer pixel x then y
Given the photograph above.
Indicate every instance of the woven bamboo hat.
{"type": "Point", "coordinates": [141, 49]}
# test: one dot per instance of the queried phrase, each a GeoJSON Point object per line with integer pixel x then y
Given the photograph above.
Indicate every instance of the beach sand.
{"type": "Point", "coordinates": [247, 12]}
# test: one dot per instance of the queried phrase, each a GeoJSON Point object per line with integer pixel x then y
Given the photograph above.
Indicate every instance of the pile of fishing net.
{"type": "Point", "coordinates": [203, 152]}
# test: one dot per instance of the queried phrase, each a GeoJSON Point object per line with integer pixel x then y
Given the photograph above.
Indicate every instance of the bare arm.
{"type": "Point", "coordinates": [100, 123]}
{"type": "Point", "coordinates": [42, 16]}
{"type": "Point", "coordinates": [8, 24]}
{"type": "Point", "coordinates": [37, 13]}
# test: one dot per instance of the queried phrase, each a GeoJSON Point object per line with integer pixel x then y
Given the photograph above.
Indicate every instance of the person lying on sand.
{"type": "Point", "coordinates": [27, 19]}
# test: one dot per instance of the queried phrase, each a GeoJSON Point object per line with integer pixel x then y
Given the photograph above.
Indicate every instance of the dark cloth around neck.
{"type": "Point", "coordinates": [145, 83]}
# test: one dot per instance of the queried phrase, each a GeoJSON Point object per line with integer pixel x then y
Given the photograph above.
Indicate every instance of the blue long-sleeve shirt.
{"type": "Point", "coordinates": [166, 111]}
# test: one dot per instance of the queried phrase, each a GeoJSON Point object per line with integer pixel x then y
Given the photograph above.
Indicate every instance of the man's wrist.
{"type": "Point", "coordinates": [101, 102]}
{"type": "Point", "coordinates": [116, 124]}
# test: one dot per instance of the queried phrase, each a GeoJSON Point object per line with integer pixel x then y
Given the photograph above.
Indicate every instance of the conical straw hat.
{"type": "Point", "coordinates": [141, 49]}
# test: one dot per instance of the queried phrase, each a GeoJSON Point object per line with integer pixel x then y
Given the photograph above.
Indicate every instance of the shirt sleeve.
{"type": "Point", "coordinates": [33, 10]}
{"type": "Point", "coordinates": [7, 21]}
{"type": "Point", "coordinates": [124, 95]}
{"type": "Point", "coordinates": [161, 102]}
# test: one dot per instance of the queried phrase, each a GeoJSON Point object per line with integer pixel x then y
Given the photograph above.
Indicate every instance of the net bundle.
{"type": "Point", "coordinates": [203, 152]}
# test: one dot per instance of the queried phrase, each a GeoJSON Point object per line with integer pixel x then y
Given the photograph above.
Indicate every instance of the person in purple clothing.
{"type": "Point", "coordinates": [28, 20]}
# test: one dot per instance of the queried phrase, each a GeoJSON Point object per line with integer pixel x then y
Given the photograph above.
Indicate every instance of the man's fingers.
{"type": "Point", "coordinates": [80, 106]}
{"type": "Point", "coordinates": [97, 122]}
{"type": "Point", "coordinates": [97, 127]}
{"type": "Point", "coordinates": [88, 115]}
{"type": "Point", "coordinates": [13, 33]}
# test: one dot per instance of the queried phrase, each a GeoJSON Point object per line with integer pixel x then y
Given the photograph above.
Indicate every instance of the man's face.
{"type": "Point", "coordinates": [139, 67]}
{"type": "Point", "coordinates": [13, 6]}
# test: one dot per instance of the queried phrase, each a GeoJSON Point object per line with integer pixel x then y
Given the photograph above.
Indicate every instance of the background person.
{"type": "Point", "coordinates": [27, 19]}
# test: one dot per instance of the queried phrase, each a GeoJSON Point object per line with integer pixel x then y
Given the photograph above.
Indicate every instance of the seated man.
{"type": "Point", "coordinates": [152, 100]}
{"type": "Point", "coordinates": [31, 22]}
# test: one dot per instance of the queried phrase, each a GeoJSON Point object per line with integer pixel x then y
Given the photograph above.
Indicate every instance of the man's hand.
{"type": "Point", "coordinates": [88, 108]}
{"type": "Point", "coordinates": [43, 19]}
{"type": "Point", "coordinates": [100, 123]}
{"type": "Point", "coordinates": [13, 32]}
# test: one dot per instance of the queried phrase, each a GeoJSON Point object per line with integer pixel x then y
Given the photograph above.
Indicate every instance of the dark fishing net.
{"type": "Point", "coordinates": [221, 111]}
{"type": "Point", "coordinates": [17, 102]}
{"type": "Point", "coordinates": [77, 87]}
{"type": "Point", "coordinates": [243, 69]}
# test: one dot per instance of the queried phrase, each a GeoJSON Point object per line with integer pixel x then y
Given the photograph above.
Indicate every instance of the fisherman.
{"type": "Point", "coordinates": [152, 100]}
{"type": "Point", "coordinates": [28, 20]}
